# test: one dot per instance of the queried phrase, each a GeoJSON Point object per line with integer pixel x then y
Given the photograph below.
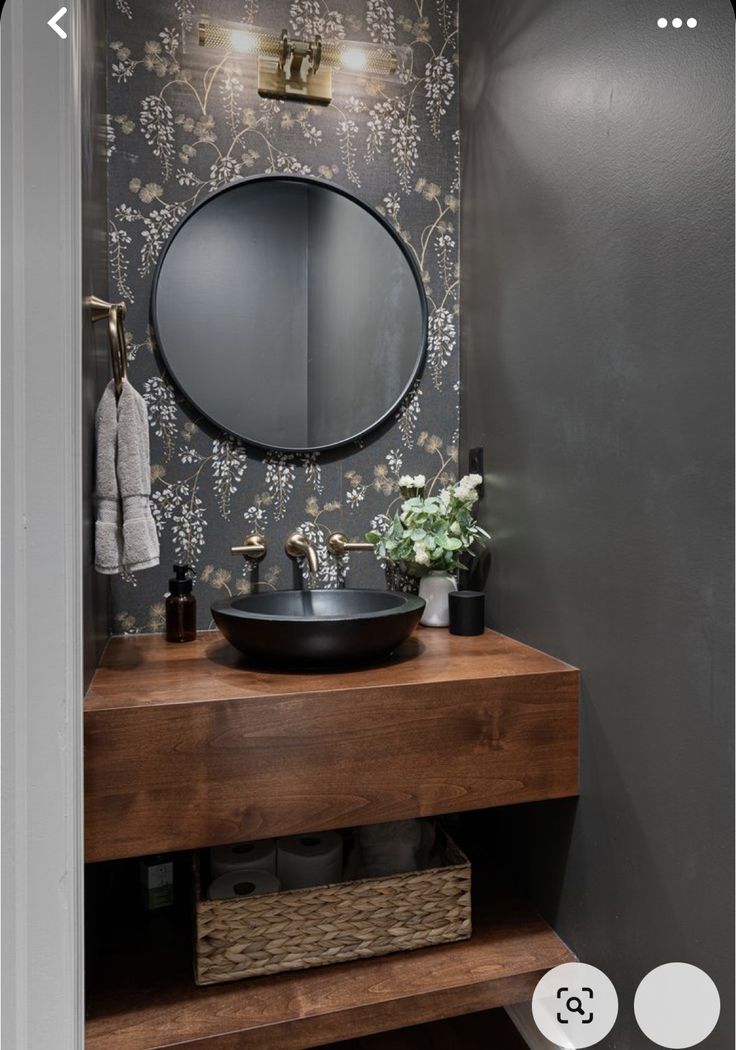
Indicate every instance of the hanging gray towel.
{"type": "Point", "coordinates": [126, 537]}
{"type": "Point", "coordinates": [109, 524]}
{"type": "Point", "coordinates": [140, 539]}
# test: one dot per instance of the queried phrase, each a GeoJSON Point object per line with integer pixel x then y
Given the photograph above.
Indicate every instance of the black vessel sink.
{"type": "Point", "coordinates": [318, 628]}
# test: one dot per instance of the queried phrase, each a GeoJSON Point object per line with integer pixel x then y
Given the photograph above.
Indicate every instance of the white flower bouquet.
{"type": "Point", "coordinates": [431, 533]}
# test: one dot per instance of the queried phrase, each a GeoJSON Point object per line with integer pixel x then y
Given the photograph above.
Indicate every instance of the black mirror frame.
{"type": "Point", "coordinates": [422, 350]}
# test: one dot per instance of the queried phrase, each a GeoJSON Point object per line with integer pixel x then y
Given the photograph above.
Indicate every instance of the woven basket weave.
{"type": "Point", "coordinates": [298, 929]}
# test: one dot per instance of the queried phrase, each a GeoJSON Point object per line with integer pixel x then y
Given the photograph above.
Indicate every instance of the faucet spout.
{"type": "Point", "coordinates": [298, 546]}
{"type": "Point", "coordinates": [312, 560]}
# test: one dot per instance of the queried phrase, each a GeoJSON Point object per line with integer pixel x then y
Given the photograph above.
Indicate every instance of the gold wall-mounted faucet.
{"type": "Point", "coordinates": [298, 546]}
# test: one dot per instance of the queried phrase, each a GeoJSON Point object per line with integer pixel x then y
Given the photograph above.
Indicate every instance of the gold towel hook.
{"type": "Point", "coordinates": [114, 312]}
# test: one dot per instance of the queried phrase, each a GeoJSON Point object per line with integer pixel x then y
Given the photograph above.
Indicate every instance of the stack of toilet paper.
{"type": "Point", "coordinates": [243, 869]}
{"type": "Point", "coordinates": [247, 869]}
{"type": "Point", "coordinates": [309, 860]}
{"type": "Point", "coordinates": [393, 848]}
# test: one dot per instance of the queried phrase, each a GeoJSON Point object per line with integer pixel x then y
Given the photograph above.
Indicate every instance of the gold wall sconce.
{"type": "Point", "coordinates": [301, 70]}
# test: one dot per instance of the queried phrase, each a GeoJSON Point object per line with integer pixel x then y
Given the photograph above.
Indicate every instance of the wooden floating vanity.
{"type": "Point", "coordinates": [186, 746]}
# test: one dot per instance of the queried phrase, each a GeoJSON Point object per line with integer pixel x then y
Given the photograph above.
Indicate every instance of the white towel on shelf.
{"type": "Point", "coordinates": [125, 532]}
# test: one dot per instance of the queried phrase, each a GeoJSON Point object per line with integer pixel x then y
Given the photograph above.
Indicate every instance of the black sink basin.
{"type": "Point", "coordinates": [318, 628]}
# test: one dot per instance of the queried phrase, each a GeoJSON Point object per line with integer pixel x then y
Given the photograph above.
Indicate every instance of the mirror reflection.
{"type": "Point", "coordinates": [289, 313]}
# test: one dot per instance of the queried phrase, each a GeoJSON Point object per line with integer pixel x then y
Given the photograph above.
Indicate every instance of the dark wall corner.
{"type": "Point", "coordinates": [95, 356]}
{"type": "Point", "coordinates": [597, 371]}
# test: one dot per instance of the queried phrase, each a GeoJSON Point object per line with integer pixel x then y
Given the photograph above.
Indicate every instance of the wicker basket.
{"type": "Point", "coordinates": [298, 929]}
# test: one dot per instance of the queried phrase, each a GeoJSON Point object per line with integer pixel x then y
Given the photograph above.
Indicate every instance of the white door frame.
{"type": "Point", "coordinates": [40, 399]}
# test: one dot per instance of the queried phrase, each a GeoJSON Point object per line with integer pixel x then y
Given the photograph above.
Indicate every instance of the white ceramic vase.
{"type": "Point", "coordinates": [434, 588]}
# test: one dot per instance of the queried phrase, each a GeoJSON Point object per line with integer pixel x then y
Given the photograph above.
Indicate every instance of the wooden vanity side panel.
{"type": "Point", "coordinates": [182, 776]}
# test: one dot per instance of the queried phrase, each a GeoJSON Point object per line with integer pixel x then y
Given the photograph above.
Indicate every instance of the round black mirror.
{"type": "Point", "coordinates": [290, 313]}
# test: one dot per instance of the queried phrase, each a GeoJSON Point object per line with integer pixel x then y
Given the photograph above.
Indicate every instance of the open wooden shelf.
{"type": "Point", "coordinates": [487, 1030]}
{"type": "Point", "coordinates": [186, 746]}
{"type": "Point", "coordinates": [142, 994]}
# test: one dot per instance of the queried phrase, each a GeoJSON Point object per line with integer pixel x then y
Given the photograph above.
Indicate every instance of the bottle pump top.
{"type": "Point", "coordinates": [180, 583]}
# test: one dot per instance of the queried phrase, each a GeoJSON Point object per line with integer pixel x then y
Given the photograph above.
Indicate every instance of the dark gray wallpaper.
{"type": "Point", "coordinates": [176, 132]}
{"type": "Point", "coordinates": [598, 372]}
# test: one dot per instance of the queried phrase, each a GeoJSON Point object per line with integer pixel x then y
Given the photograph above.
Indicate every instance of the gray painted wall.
{"type": "Point", "coordinates": [597, 333]}
{"type": "Point", "coordinates": [95, 353]}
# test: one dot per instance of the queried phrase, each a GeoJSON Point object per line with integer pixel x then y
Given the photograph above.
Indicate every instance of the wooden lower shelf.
{"type": "Point", "coordinates": [142, 995]}
{"type": "Point", "coordinates": [487, 1030]}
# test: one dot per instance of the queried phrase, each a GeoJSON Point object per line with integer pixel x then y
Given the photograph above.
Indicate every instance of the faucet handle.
{"type": "Point", "coordinates": [338, 544]}
{"type": "Point", "coordinates": [253, 547]}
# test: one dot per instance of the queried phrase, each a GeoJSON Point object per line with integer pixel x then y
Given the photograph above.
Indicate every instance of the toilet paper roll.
{"type": "Point", "coordinates": [309, 860]}
{"type": "Point", "coordinates": [240, 884]}
{"type": "Point", "coordinates": [404, 832]}
{"type": "Point", "coordinates": [389, 849]}
{"type": "Point", "coordinates": [243, 856]}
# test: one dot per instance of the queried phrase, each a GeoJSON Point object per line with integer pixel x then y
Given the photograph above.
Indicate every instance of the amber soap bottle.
{"type": "Point", "coordinates": [181, 607]}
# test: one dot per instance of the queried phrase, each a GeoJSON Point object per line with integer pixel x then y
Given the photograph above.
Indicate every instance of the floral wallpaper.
{"type": "Point", "coordinates": [180, 127]}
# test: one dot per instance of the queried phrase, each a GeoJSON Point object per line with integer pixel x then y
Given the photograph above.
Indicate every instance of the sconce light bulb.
{"type": "Point", "coordinates": [354, 59]}
{"type": "Point", "coordinates": [242, 40]}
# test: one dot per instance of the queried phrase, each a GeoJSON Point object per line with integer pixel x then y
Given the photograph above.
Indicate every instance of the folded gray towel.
{"type": "Point", "coordinates": [140, 539]}
{"type": "Point", "coordinates": [108, 527]}
{"type": "Point", "coordinates": [125, 532]}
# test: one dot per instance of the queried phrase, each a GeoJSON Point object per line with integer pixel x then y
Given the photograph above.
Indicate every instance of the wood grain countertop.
{"type": "Point", "coordinates": [187, 746]}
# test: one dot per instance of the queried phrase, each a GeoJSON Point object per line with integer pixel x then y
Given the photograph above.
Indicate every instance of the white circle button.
{"type": "Point", "coordinates": [575, 1005]}
{"type": "Point", "coordinates": [676, 22]}
{"type": "Point", "coordinates": [662, 23]}
{"type": "Point", "coordinates": [691, 23]}
{"type": "Point", "coordinates": [677, 1005]}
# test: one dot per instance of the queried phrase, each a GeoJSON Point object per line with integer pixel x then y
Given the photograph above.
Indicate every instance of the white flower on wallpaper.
{"type": "Point", "coordinates": [447, 10]}
{"type": "Point", "coordinates": [439, 87]}
{"type": "Point", "coordinates": [405, 139]}
{"type": "Point", "coordinates": [162, 412]}
{"type": "Point", "coordinates": [442, 340]}
{"type": "Point", "coordinates": [157, 124]}
{"type": "Point", "coordinates": [177, 132]}
{"type": "Point", "coordinates": [310, 17]}
{"type": "Point", "coordinates": [185, 12]}
{"type": "Point", "coordinates": [229, 463]}
{"type": "Point", "coordinates": [118, 242]}
{"type": "Point", "coordinates": [280, 478]}
{"type": "Point", "coordinates": [380, 21]}
{"type": "Point", "coordinates": [409, 415]}
{"type": "Point", "coordinates": [312, 470]}
{"type": "Point", "coordinates": [347, 134]}
{"type": "Point", "coordinates": [394, 122]}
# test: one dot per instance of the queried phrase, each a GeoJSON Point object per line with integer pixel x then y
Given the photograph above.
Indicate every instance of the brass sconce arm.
{"type": "Point", "coordinates": [338, 544]}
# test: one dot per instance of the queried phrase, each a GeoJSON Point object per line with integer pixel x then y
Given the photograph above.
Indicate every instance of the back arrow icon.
{"type": "Point", "coordinates": [54, 23]}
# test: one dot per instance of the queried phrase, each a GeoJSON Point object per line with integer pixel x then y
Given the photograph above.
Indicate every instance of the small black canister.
{"type": "Point", "coordinates": [467, 612]}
